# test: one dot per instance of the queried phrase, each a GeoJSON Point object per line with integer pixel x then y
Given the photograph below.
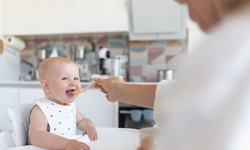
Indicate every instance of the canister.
{"type": "Point", "coordinates": [168, 74]}
{"type": "Point", "coordinates": [160, 74]}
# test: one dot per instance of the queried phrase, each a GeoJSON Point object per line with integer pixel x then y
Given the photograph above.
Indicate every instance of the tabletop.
{"type": "Point", "coordinates": [108, 138]}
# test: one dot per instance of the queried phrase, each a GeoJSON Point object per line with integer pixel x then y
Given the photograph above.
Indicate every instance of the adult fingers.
{"type": "Point", "coordinates": [146, 144]}
{"type": "Point", "coordinates": [98, 81]}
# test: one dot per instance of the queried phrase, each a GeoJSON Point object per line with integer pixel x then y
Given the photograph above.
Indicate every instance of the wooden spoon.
{"type": "Point", "coordinates": [84, 90]}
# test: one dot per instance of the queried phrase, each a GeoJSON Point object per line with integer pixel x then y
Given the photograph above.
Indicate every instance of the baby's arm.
{"type": "Point", "coordinates": [86, 125]}
{"type": "Point", "coordinates": [39, 136]}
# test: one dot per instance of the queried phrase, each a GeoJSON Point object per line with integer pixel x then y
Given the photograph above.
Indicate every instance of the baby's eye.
{"type": "Point", "coordinates": [64, 78]}
{"type": "Point", "coordinates": [76, 78]}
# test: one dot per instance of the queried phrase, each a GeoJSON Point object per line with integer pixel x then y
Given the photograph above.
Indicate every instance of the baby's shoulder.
{"type": "Point", "coordinates": [36, 109]}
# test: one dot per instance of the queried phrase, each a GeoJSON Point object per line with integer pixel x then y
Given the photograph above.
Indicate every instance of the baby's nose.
{"type": "Point", "coordinates": [73, 82]}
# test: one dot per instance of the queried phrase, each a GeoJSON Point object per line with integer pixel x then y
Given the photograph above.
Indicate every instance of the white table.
{"type": "Point", "coordinates": [108, 138]}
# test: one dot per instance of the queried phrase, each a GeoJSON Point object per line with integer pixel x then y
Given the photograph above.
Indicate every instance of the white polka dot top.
{"type": "Point", "coordinates": [61, 118]}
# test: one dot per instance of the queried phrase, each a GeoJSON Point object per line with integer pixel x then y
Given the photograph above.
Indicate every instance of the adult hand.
{"type": "Point", "coordinates": [146, 144]}
{"type": "Point", "coordinates": [76, 145]}
{"type": "Point", "coordinates": [109, 86]}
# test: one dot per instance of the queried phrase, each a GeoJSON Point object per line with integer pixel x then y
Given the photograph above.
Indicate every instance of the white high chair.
{"type": "Point", "coordinates": [19, 119]}
{"type": "Point", "coordinates": [6, 140]}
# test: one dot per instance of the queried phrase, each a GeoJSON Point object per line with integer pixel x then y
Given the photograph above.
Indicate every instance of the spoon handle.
{"type": "Point", "coordinates": [85, 89]}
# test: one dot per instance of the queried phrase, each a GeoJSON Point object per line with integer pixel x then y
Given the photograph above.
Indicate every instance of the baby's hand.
{"type": "Point", "coordinates": [75, 145]}
{"type": "Point", "coordinates": [91, 131]}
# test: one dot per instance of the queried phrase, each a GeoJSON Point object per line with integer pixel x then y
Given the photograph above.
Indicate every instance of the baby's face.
{"type": "Point", "coordinates": [63, 79]}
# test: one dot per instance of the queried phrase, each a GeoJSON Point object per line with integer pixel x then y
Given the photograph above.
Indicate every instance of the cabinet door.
{"type": "Point", "coordinates": [9, 97]}
{"type": "Point", "coordinates": [94, 105]}
{"type": "Point", "coordinates": [28, 95]}
{"type": "Point", "coordinates": [155, 16]}
{"type": "Point", "coordinates": [100, 16]}
{"type": "Point", "coordinates": [18, 17]}
{"type": "Point", "coordinates": [157, 20]}
{"type": "Point", "coordinates": [53, 16]}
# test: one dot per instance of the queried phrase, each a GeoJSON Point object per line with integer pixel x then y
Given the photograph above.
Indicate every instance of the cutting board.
{"type": "Point", "coordinates": [1, 46]}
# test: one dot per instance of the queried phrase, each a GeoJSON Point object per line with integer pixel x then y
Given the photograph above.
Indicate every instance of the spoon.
{"type": "Point", "coordinates": [83, 90]}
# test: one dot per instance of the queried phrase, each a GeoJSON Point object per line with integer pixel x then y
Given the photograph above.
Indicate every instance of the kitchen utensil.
{"type": "Point", "coordinates": [120, 66]}
{"type": "Point", "coordinates": [104, 55]}
{"type": "Point", "coordinates": [163, 74]}
{"type": "Point", "coordinates": [79, 53]}
{"type": "Point", "coordinates": [42, 54]}
{"type": "Point", "coordinates": [83, 90]}
{"type": "Point", "coordinates": [1, 46]}
{"type": "Point", "coordinates": [54, 53]}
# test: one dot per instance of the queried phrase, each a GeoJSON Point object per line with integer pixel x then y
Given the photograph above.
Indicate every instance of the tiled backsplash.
{"type": "Point", "coordinates": [145, 58]}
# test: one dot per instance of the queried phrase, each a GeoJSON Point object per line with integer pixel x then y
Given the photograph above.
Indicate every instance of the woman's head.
{"type": "Point", "coordinates": [208, 13]}
{"type": "Point", "coordinates": [59, 76]}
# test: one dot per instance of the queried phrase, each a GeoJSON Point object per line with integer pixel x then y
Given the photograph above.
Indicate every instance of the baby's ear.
{"type": "Point", "coordinates": [45, 86]}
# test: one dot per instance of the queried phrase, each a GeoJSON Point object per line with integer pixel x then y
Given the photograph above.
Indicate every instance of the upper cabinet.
{"type": "Point", "coordinates": [18, 17]}
{"type": "Point", "coordinates": [53, 16]}
{"type": "Point", "coordinates": [31, 17]}
{"type": "Point", "coordinates": [36, 17]}
{"type": "Point", "coordinates": [157, 20]}
{"type": "Point", "coordinates": [100, 16]}
{"type": "Point", "coordinates": [142, 19]}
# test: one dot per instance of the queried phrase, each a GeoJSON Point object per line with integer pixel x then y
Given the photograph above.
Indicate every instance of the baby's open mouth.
{"type": "Point", "coordinates": [69, 92]}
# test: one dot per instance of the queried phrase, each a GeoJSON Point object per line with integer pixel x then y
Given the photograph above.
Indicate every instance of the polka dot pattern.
{"type": "Point", "coordinates": [61, 118]}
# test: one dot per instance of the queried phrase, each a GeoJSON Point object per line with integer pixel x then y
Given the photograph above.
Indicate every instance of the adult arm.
{"type": "Point", "coordinates": [135, 94]}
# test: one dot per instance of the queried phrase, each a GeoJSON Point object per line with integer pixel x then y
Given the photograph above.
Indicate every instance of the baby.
{"type": "Point", "coordinates": [55, 118]}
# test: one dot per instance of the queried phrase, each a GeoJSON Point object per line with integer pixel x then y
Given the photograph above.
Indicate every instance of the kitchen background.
{"type": "Point", "coordinates": [142, 59]}
{"type": "Point", "coordinates": [141, 50]}
{"type": "Point", "coordinates": [147, 48]}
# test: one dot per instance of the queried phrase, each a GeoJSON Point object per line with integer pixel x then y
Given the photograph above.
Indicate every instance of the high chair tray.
{"type": "Point", "coordinates": [108, 138]}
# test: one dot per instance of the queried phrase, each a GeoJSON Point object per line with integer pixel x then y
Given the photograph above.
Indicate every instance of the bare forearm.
{"type": "Point", "coordinates": [88, 127]}
{"type": "Point", "coordinates": [136, 94]}
{"type": "Point", "coordinates": [84, 122]}
{"type": "Point", "coordinates": [48, 140]}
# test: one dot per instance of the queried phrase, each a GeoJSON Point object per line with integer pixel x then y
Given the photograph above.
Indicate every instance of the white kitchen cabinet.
{"type": "Point", "coordinates": [18, 17]}
{"type": "Point", "coordinates": [9, 97]}
{"type": "Point", "coordinates": [94, 105]}
{"type": "Point", "coordinates": [39, 17]}
{"type": "Point", "coordinates": [157, 20]}
{"type": "Point", "coordinates": [53, 16]}
{"type": "Point", "coordinates": [92, 16]}
{"type": "Point", "coordinates": [28, 95]}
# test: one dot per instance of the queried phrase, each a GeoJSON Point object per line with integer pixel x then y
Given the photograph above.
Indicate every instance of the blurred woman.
{"type": "Point", "coordinates": [208, 106]}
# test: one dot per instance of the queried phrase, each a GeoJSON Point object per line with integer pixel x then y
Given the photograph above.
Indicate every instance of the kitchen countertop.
{"type": "Point", "coordinates": [22, 84]}
{"type": "Point", "coordinates": [36, 84]}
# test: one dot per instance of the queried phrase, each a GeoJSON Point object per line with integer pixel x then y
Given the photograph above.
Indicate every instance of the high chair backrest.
{"type": "Point", "coordinates": [19, 119]}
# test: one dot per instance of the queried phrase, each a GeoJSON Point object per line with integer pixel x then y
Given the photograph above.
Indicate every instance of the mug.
{"type": "Point", "coordinates": [148, 115]}
{"type": "Point", "coordinates": [136, 115]}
